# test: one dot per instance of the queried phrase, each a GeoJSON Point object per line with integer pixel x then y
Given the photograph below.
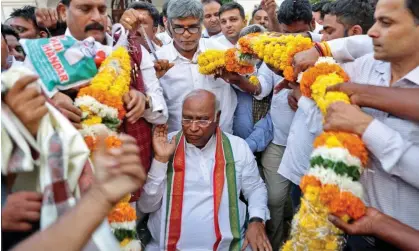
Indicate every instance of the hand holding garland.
{"type": "Point", "coordinates": [381, 226]}
{"type": "Point", "coordinates": [401, 102]}
{"type": "Point", "coordinates": [240, 81]}
{"type": "Point", "coordinates": [135, 102]}
{"type": "Point", "coordinates": [345, 117]}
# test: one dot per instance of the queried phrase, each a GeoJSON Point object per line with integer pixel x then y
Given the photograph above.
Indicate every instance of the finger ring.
{"type": "Point", "coordinates": [127, 19]}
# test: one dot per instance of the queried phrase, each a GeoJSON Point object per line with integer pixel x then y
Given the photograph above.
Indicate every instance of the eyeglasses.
{"type": "Point", "coordinates": [200, 123]}
{"type": "Point", "coordinates": [191, 30]}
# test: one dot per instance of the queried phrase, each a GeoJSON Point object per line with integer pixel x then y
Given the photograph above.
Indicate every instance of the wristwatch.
{"type": "Point", "coordinates": [256, 219]}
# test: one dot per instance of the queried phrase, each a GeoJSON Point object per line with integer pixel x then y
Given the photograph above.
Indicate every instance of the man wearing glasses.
{"type": "Point", "coordinates": [195, 181]}
{"type": "Point", "coordinates": [185, 19]}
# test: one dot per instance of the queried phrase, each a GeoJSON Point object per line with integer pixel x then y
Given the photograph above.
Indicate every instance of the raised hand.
{"type": "Point", "coordinates": [163, 149]}
{"type": "Point", "coordinates": [131, 20]}
{"type": "Point", "coordinates": [118, 170]}
{"type": "Point", "coordinates": [27, 103]}
{"type": "Point", "coordinates": [162, 66]}
{"type": "Point", "coordinates": [47, 17]}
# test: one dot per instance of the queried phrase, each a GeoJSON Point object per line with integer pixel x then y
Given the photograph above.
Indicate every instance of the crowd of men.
{"type": "Point", "coordinates": [237, 150]}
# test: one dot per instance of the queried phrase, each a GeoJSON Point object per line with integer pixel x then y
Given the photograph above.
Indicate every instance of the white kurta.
{"type": "Point", "coordinates": [184, 77]}
{"type": "Point", "coordinates": [198, 206]}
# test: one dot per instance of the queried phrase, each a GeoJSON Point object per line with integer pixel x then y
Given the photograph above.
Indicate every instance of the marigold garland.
{"type": "Point", "coordinates": [310, 76]}
{"type": "Point", "coordinates": [278, 52]}
{"type": "Point", "coordinates": [103, 109]}
{"type": "Point", "coordinates": [331, 185]}
{"type": "Point", "coordinates": [233, 65]}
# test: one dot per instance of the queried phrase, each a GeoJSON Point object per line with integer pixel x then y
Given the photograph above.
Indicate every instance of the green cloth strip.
{"type": "Point", "coordinates": [338, 167]}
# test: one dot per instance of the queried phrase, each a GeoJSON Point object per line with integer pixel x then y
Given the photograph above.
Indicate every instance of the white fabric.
{"type": "Point", "coordinates": [281, 113]}
{"type": "Point", "coordinates": [164, 37]}
{"type": "Point", "coordinates": [350, 48]}
{"type": "Point", "coordinates": [158, 114]}
{"type": "Point", "coordinates": [206, 35]}
{"type": "Point", "coordinates": [391, 181]}
{"type": "Point", "coordinates": [224, 41]}
{"type": "Point", "coordinates": [197, 215]}
{"type": "Point", "coordinates": [184, 77]}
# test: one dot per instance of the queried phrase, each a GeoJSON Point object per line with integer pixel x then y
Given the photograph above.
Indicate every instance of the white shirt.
{"type": "Point", "coordinates": [164, 37]}
{"type": "Point", "coordinates": [281, 113]}
{"type": "Point", "coordinates": [224, 41]}
{"type": "Point", "coordinates": [391, 180]}
{"type": "Point", "coordinates": [184, 77]}
{"type": "Point", "coordinates": [158, 114]}
{"type": "Point", "coordinates": [198, 205]}
{"type": "Point", "coordinates": [206, 35]}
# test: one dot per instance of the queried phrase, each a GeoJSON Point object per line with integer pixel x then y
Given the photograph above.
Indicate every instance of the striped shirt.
{"type": "Point", "coordinates": [391, 182]}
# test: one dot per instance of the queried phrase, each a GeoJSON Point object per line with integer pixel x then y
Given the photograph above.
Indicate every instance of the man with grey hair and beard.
{"type": "Point", "coordinates": [184, 19]}
{"type": "Point", "coordinates": [194, 184]}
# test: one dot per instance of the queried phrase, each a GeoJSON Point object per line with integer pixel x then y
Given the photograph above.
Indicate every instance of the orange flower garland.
{"type": "Point", "coordinates": [233, 65]}
{"type": "Point", "coordinates": [350, 141]}
{"type": "Point", "coordinates": [310, 76]}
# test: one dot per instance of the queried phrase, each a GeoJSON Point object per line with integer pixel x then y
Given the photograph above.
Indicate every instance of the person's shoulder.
{"type": "Point", "coordinates": [212, 43]}
{"type": "Point", "coordinates": [237, 143]}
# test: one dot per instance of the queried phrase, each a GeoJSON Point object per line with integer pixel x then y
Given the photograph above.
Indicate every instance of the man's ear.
{"type": "Point", "coordinates": [62, 12]}
{"type": "Point", "coordinates": [356, 30]}
{"type": "Point", "coordinates": [313, 24]}
{"type": "Point", "coordinates": [43, 34]}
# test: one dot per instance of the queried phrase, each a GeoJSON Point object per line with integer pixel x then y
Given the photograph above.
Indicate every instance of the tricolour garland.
{"type": "Point", "coordinates": [331, 185]}
{"type": "Point", "coordinates": [103, 110]}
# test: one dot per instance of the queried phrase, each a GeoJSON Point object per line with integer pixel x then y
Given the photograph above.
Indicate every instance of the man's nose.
{"type": "Point", "coordinates": [96, 16]}
{"type": "Point", "coordinates": [194, 127]}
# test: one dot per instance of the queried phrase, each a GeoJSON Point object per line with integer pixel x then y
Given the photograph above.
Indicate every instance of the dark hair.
{"type": "Point", "coordinates": [154, 13]}
{"type": "Point", "coordinates": [210, 1]}
{"type": "Point", "coordinates": [354, 12]}
{"type": "Point", "coordinates": [161, 23]}
{"type": "Point", "coordinates": [232, 6]}
{"type": "Point", "coordinates": [26, 12]}
{"type": "Point", "coordinates": [256, 10]}
{"type": "Point", "coordinates": [7, 30]}
{"type": "Point", "coordinates": [413, 7]}
{"type": "Point", "coordinates": [2, 33]}
{"type": "Point", "coordinates": [318, 7]}
{"type": "Point", "coordinates": [292, 11]}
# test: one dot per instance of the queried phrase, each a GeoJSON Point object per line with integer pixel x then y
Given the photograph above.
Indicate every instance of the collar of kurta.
{"type": "Point", "coordinates": [172, 53]}
{"type": "Point", "coordinates": [224, 173]}
{"type": "Point", "coordinates": [109, 39]}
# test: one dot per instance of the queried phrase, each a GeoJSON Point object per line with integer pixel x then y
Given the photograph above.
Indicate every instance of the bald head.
{"type": "Point", "coordinates": [200, 116]}
{"type": "Point", "coordinates": [204, 98]}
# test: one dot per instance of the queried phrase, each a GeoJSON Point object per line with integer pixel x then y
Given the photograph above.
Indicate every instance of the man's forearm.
{"type": "Point", "coordinates": [74, 228]}
{"type": "Point", "coordinates": [401, 102]}
{"type": "Point", "coordinates": [396, 233]}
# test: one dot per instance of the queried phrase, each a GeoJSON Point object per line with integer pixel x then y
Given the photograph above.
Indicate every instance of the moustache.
{"type": "Point", "coordinates": [94, 26]}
